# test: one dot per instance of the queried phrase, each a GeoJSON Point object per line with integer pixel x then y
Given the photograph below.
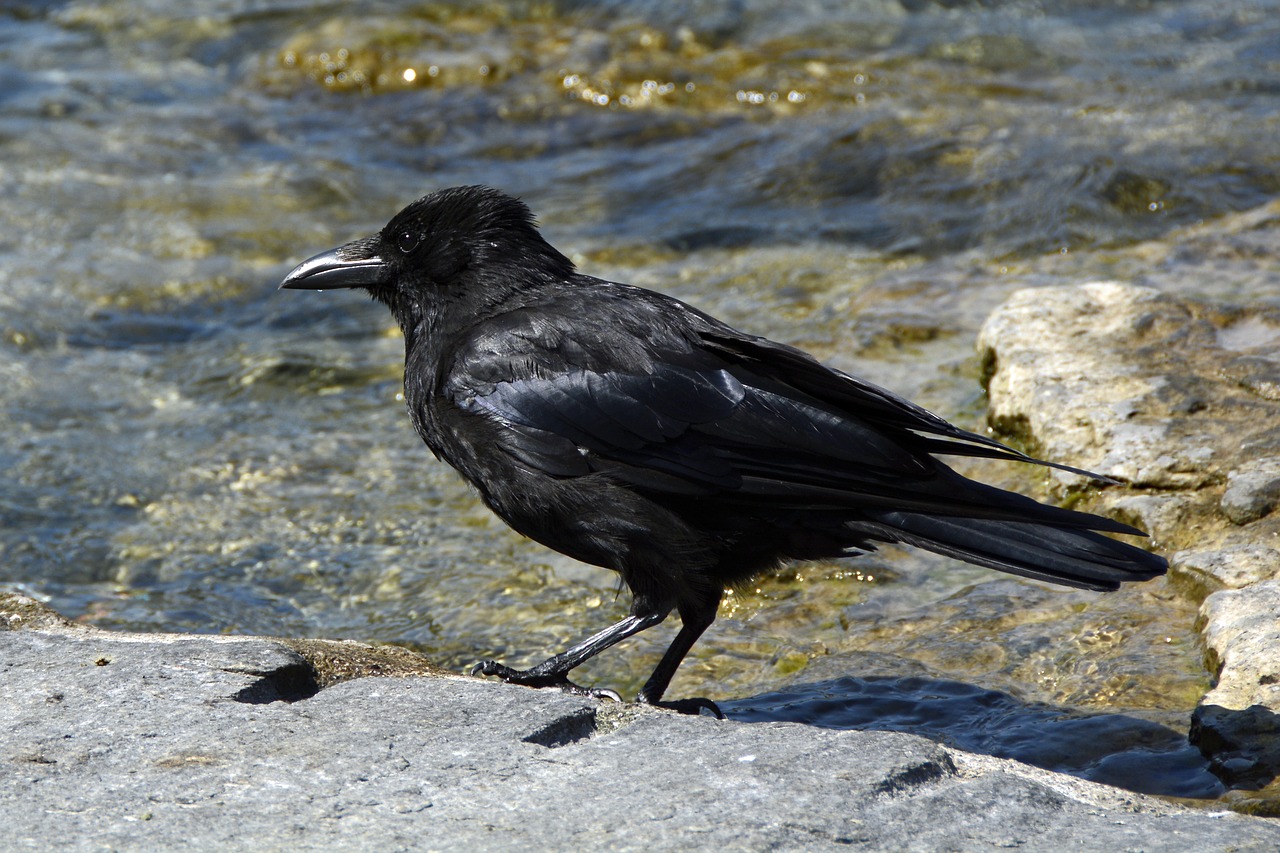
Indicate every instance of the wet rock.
{"type": "Point", "coordinates": [1252, 492]}
{"type": "Point", "coordinates": [1123, 380]}
{"type": "Point", "coordinates": [1170, 518]}
{"type": "Point", "coordinates": [138, 742]}
{"type": "Point", "coordinates": [1174, 398]}
{"type": "Point", "coordinates": [1238, 722]}
{"type": "Point", "coordinates": [1233, 567]}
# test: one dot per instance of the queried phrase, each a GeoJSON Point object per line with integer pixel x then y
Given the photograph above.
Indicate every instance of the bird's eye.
{"type": "Point", "coordinates": [407, 241]}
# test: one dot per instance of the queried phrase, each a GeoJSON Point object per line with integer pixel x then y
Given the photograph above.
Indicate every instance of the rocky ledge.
{"type": "Point", "coordinates": [153, 742]}
{"type": "Point", "coordinates": [1181, 401]}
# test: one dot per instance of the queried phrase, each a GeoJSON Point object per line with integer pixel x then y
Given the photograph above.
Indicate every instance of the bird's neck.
{"type": "Point", "coordinates": [420, 325]}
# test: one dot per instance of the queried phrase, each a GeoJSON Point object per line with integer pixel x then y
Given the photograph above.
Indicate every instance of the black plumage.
{"type": "Point", "coordinates": [631, 431]}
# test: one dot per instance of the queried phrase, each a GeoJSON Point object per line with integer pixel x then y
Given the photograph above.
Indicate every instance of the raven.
{"type": "Point", "coordinates": [631, 431]}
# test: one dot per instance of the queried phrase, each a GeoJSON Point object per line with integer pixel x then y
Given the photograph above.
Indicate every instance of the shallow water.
{"type": "Point", "coordinates": [1131, 752]}
{"type": "Point", "coordinates": [188, 449]}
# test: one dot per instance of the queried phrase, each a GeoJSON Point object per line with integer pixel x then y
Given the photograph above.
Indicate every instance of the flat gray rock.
{"type": "Point", "coordinates": [153, 742]}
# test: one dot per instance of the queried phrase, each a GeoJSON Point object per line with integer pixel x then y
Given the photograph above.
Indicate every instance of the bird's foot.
{"type": "Point", "coordinates": [695, 706]}
{"type": "Point", "coordinates": [532, 678]}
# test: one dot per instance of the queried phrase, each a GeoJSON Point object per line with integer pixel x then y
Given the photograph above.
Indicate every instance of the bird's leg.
{"type": "Point", "coordinates": [554, 671]}
{"type": "Point", "coordinates": [694, 620]}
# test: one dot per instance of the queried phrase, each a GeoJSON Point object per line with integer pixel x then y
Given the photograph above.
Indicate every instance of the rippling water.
{"type": "Point", "coordinates": [189, 450]}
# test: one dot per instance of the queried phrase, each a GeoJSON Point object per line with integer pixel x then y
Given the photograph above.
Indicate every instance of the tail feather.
{"type": "Point", "coordinates": [1070, 556]}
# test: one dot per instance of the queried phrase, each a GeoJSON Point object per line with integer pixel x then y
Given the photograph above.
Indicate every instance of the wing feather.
{"type": "Point", "coordinates": [710, 411]}
{"type": "Point", "coordinates": [684, 431]}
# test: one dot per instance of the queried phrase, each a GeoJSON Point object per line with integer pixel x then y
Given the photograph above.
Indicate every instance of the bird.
{"type": "Point", "coordinates": [634, 432]}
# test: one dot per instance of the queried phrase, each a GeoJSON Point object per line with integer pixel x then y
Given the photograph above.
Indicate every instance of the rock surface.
{"type": "Point", "coordinates": [145, 742]}
{"type": "Point", "coordinates": [1178, 398]}
{"type": "Point", "coordinates": [1253, 492]}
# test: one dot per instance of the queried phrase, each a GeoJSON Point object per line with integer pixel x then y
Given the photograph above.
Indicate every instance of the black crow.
{"type": "Point", "coordinates": [631, 431]}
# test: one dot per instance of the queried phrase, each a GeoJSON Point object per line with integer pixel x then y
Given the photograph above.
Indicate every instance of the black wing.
{"type": "Point", "coordinates": [918, 426]}
{"type": "Point", "coordinates": [703, 410]}
{"type": "Point", "coordinates": [678, 406]}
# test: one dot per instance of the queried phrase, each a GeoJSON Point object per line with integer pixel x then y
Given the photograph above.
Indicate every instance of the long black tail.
{"type": "Point", "coordinates": [1023, 537]}
{"type": "Point", "coordinates": [1068, 556]}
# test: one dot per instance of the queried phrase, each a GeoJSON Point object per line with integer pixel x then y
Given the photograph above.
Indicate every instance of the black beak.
{"type": "Point", "coordinates": [353, 265]}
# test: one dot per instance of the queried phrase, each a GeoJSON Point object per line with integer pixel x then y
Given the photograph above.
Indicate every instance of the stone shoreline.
{"type": "Point", "coordinates": [1180, 400]}
{"type": "Point", "coordinates": [124, 741]}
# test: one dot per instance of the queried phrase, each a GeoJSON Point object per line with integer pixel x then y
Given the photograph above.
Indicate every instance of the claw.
{"type": "Point", "coordinates": [492, 667]}
{"type": "Point", "coordinates": [560, 681]}
{"type": "Point", "coordinates": [530, 678]}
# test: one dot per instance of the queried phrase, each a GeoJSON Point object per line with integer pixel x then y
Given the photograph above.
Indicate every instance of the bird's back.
{"type": "Point", "coordinates": [625, 428]}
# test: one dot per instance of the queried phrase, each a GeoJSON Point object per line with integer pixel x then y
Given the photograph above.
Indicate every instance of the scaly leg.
{"type": "Point", "coordinates": [554, 671]}
{"type": "Point", "coordinates": [694, 621]}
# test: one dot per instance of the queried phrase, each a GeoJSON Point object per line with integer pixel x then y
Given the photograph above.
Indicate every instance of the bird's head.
{"type": "Point", "coordinates": [442, 241]}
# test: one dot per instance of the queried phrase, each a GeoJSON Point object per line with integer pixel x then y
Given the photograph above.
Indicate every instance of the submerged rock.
{"type": "Point", "coordinates": [1171, 397]}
